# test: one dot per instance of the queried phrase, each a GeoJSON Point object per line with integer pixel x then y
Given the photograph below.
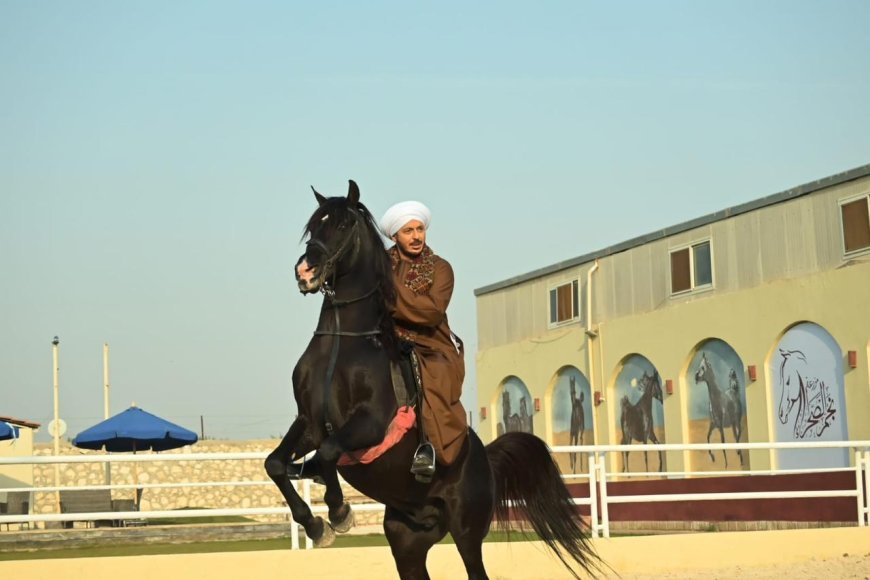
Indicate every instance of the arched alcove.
{"type": "Point", "coordinates": [807, 396]}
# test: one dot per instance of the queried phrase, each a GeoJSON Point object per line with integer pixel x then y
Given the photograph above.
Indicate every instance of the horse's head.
{"type": "Point", "coordinates": [652, 385]}
{"type": "Point", "coordinates": [657, 387]}
{"type": "Point", "coordinates": [733, 381]}
{"type": "Point", "coordinates": [790, 381]}
{"type": "Point", "coordinates": [703, 369]}
{"type": "Point", "coordinates": [342, 240]}
{"type": "Point", "coordinates": [333, 240]}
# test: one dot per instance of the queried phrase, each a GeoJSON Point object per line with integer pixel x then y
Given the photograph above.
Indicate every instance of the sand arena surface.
{"type": "Point", "coordinates": [792, 554]}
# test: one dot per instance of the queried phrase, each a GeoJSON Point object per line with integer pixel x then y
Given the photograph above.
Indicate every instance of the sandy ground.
{"type": "Point", "coordinates": [845, 566]}
{"type": "Point", "coordinates": [795, 554]}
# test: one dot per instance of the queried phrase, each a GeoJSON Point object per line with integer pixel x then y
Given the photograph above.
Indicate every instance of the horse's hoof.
{"type": "Point", "coordinates": [327, 537]}
{"type": "Point", "coordinates": [345, 519]}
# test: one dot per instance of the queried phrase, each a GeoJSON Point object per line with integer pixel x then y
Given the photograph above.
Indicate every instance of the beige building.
{"type": "Point", "coordinates": [749, 324]}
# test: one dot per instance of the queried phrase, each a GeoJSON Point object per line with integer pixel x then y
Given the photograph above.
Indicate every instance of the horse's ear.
{"type": "Point", "coordinates": [320, 199]}
{"type": "Point", "coordinates": [352, 192]}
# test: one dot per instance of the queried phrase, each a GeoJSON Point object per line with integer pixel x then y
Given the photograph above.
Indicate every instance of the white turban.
{"type": "Point", "coordinates": [402, 213]}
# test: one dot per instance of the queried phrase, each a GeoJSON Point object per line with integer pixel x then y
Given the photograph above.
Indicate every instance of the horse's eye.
{"type": "Point", "coordinates": [324, 218]}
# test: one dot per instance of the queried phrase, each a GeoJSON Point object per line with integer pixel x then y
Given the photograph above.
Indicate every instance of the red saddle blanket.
{"type": "Point", "coordinates": [401, 423]}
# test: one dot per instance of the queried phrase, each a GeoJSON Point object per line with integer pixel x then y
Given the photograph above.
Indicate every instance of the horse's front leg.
{"type": "Point", "coordinates": [360, 431]}
{"type": "Point", "coordinates": [710, 432]}
{"type": "Point", "coordinates": [276, 467]}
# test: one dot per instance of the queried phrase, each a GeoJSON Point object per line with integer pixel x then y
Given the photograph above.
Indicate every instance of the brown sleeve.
{"type": "Point", "coordinates": [426, 309]}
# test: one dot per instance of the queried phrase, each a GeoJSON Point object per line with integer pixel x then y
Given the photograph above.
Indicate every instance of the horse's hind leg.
{"type": "Point", "coordinates": [469, 520]}
{"type": "Point", "coordinates": [736, 430]}
{"type": "Point", "coordinates": [410, 543]}
{"type": "Point", "coordinates": [276, 467]}
{"type": "Point", "coordinates": [722, 437]}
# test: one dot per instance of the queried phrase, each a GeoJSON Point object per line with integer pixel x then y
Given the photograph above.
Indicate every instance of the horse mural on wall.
{"type": "Point", "coordinates": [515, 422]}
{"type": "Point", "coordinates": [571, 417]}
{"type": "Point", "coordinates": [816, 408]}
{"type": "Point", "coordinates": [725, 409]}
{"type": "Point", "coordinates": [578, 422]}
{"type": "Point", "coordinates": [637, 418]}
{"type": "Point", "coordinates": [808, 383]}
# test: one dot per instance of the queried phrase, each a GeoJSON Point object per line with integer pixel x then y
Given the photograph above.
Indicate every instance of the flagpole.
{"type": "Point", "coordinates": [106, 401]}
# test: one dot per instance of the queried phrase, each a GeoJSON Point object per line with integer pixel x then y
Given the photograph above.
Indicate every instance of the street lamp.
{"type": "Point", "coordinates": [56, 430]}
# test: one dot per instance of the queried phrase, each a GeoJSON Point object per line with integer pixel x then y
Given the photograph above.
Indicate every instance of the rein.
{"type": "Point", "coordinates": [329, 295]}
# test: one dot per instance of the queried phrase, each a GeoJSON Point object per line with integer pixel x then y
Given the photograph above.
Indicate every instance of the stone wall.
{"type": "Point", "coordinates": [198, 471]}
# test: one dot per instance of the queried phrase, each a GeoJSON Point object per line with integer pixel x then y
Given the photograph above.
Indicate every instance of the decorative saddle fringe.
{"type": "Point", "coordinates": [403, 421]}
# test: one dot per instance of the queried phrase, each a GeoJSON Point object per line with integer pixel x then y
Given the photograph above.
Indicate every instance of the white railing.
{"type": "Point", "coordinates": [597, 476]}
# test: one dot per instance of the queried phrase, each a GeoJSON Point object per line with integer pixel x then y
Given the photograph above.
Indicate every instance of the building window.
{"type": "Point", "coordinates": [564, 303]}
{"type": "Point", "coordinates": [691, 268]}
{"type": "Point", "coordinates": [855, 214]}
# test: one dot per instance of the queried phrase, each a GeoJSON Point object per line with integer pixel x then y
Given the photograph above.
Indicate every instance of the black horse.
{"type": "Point", "coordinates": [637, 418]}
{"type": "Point", "coordinates": [343, 389]}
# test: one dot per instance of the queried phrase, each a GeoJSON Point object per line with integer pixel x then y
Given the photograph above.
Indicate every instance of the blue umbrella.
{"type": "Point", "coordinates": [134, 430]}
{"type": "Point", "coordinates": [8, 431]}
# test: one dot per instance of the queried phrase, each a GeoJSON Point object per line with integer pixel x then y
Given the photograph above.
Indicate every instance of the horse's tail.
{"type": "Point", "coordinates": [527, 479]}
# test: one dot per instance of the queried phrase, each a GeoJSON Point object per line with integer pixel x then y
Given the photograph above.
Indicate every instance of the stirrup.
{"type": "Point", "coordinates": [423, 464]}
{"type": "Point", "coordinates": [296, 471]}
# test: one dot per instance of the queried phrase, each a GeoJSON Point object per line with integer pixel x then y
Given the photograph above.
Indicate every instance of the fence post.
{"type": "Point", "coordinates": [294, 527]}
{"type": "Point", "coordinates": [864, 498]}
{"type": "Point", "coordinates": [593, 495]}
{"type": "Point", "coordinates": [306, 495]}
{"type": "Point", "coordinates": [605, 513]}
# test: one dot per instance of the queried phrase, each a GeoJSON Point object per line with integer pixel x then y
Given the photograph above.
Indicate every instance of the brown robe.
{"type": "Point", "coordinates": [421, 317]}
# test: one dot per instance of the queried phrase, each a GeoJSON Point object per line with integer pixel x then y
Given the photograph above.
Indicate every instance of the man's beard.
{"type": "Point", "coordinates": [408, 255]}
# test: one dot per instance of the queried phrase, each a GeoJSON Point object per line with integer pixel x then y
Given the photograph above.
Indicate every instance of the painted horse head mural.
{"type": "Point", "coordinates": [816, 408]}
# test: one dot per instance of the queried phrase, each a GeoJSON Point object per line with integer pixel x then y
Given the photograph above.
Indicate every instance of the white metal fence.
{"type": "Point", "coordinates": [598, 475]}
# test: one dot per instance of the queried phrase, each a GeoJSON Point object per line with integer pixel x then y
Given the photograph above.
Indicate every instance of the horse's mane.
{"type": "Point", "coordinates": [341, 212]}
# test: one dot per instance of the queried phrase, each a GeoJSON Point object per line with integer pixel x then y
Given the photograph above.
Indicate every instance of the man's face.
{"type": "Point", "coordinates": [411, 238]}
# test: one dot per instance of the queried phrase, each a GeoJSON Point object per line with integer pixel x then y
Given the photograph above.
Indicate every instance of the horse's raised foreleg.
{"type": "Point", "coordinates": [276, 467]}
{"type": "Point", "coordinates": [360, 431]}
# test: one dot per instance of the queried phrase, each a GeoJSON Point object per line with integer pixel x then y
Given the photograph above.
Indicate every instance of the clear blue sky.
{"type": "Point", "coordinates": [156, 157]}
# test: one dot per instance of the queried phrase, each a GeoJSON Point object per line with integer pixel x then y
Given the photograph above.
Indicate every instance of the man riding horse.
{"type": "Point", "coordinates": [424, 285]}
{"type": "Point", "coordinates": [351, 399]}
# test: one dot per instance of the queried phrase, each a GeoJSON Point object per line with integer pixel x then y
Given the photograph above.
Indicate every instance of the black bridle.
{"type": "Point", "coordinates": [328, 291]}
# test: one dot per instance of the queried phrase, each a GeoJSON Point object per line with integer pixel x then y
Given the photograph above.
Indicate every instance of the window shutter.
{"type": "Point", "coordinates": [565, 297]}
{"type": "Point", "coordinates": [856, 225]}
{"type": "Point", "coordinates": [553, 309]}
{"type": "Point", "coordinates": [680, 276]}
